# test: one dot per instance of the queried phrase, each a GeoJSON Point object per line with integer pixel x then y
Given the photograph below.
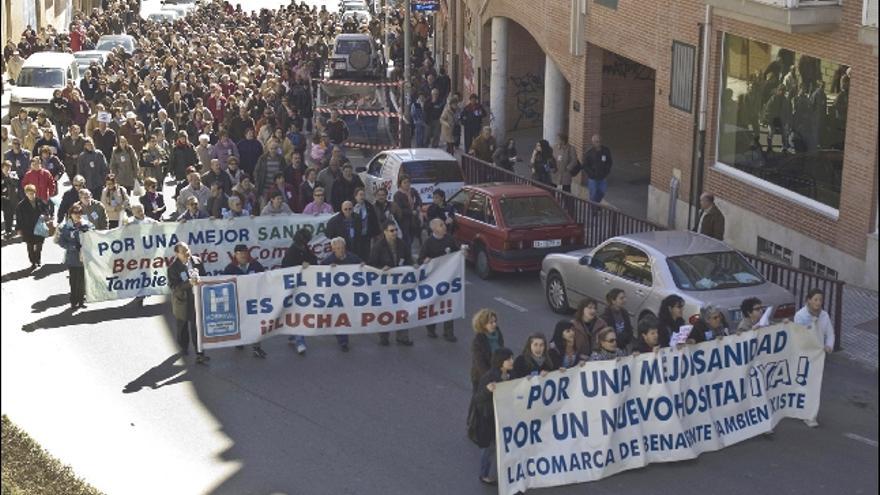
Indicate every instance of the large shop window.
{"type": "Point", "coordinates": [783, 117]}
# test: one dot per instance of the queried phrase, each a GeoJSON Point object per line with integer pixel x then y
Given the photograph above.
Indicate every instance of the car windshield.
{"type": "Point", "coordinates": [39, 77]}
{"type": "Point", "coordinates": [528, 211]}
{"type": "Point", "coordinates": [713, 271]}
{"type": "Point", "coordinates": [110, 44]}
{"type": "Point", "coordinates": [345, 47]}
{"type": "Point", "coordinates": [433, 172]}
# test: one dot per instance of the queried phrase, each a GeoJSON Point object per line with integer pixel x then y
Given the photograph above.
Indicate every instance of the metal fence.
{"type": "Point", "coordinates": [601, 222]}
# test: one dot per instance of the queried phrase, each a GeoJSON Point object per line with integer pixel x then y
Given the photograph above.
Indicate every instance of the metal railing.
{"type": "Point", "coordinates": [602, 222]}
{"type": "Point", "coordinates": [793, 4]}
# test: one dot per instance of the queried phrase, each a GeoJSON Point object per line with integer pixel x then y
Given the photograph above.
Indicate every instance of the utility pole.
{"type": "Point", "coordinates": [407, 42]}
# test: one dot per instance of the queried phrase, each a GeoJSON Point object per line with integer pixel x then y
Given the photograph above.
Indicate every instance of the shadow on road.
{"type": "Point", "coordinates": [38, 274]}
{"type": "Point", "coordinates": [50, 302]}
{"type": "Point", "coordinates": [164, 374]}
{"type": "Point", "coordinates": [67, 318]}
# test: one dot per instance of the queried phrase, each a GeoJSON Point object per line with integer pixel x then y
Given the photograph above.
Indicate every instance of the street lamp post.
{"type": "Point", "coordinates": [407, 41]}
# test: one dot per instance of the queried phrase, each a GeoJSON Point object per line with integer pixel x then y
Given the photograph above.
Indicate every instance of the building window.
{"type": "Point", "coordinates": [811, 266]}
{"type": "Point", "coordinates": [681, 92]}
{"type": "Point", "coordinates": [774, 252]}
{"type": "Point", "coordinates": [783, 117]}
{"type": "Point", "coordinates": [611, 4]}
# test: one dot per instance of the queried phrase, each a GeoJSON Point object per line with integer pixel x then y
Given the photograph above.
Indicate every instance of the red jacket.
{"type": "Point", "coordinates": [43, 181]}
{"type": "Point", "coordinates": [217, 107]}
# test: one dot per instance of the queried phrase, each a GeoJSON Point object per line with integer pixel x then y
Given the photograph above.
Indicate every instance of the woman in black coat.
{"type": "Point", "coordinates": [29, 210]}
{"type": "Point", "coordinates": [535, 358]}
{"type": "Point", "coordinates": [671, 318]}
{"type": "Point", "coordinates": [487, 339]}
{"type": "Point", "coordinates": [617, 317]}
{"type": "Point", "coordinates": [482, 412]}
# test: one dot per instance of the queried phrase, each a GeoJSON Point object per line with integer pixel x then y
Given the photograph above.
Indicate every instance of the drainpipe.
{"type": "Point", "coordinates": [699, 163]}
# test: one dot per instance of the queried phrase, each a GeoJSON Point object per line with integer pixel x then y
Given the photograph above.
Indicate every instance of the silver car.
{"type": "Point", "coordinates": [652, 265]}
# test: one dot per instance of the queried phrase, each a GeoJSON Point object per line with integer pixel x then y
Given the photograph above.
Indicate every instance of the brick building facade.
{"type": "Point", "coordinates": [17, 14]}
{"type": "Point", "coordinates": [822, 217]}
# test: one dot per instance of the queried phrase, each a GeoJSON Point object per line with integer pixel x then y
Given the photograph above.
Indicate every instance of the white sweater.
{"type": "Point", "coordinates": [821, 325]}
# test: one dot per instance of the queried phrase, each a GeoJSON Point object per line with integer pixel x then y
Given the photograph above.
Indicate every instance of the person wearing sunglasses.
{"type": "Point", "coordinates": [712, 325]}
{"type": "Point", "coordinates": [752, 310]}
{"type": "Point", "coordinates": [388, 252]}
{"type": "Point", "coordinates": [606, 346]}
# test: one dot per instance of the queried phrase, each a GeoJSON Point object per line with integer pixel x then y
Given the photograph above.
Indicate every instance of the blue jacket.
{"type": "Point", "coordinates": [69, 240]}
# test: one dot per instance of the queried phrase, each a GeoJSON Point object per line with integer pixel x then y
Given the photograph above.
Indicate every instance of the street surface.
{"type": "Point", "coordinates": [103, 390]}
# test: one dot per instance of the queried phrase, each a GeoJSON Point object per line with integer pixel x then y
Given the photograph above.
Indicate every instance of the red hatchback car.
{"type": "Point", "coordinates": [511, 227]}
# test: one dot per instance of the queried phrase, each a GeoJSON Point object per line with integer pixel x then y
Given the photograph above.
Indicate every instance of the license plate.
{"type": "Point", "coordinates": [549, 243]}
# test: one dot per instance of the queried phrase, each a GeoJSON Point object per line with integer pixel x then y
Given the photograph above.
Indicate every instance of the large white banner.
{"type": "Point", "coordinates": [327, 300]}
{"type": "Point", "coordinates": [133, 260]}
{"type": "Point", "coordinates": [592, 421]}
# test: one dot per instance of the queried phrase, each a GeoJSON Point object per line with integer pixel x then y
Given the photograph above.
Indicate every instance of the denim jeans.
{"type": "Point", "coordinates": [297, 339]}
{"type": "Point", "coordinates": [487, 462]}
{"type": "Point", "coordinates": [597, 189]}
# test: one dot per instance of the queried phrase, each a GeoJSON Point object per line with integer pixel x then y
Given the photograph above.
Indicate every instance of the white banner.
{"type": "Point", "coordinates": [592, 421]}
{"type": "Point", "coordinates": [326, 300]}
{"type": "Point", "coordinates": [133, 260]}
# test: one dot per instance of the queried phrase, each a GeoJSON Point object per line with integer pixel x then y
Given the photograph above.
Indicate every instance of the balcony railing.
{"type": "Point", "coordinates": [790, 16]}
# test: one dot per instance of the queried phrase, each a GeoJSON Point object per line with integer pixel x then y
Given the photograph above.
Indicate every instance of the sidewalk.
{"type": "Point", "coordinates": [859, 333]}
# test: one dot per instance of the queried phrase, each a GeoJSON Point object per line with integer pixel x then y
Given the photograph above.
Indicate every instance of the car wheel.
{"type": "Point", "coordinates": [557, 297]}
{"type": "Point", "coordinates": [481, 263]}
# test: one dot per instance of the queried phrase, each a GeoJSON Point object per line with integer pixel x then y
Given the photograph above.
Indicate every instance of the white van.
{"type": "Point", "coordinates": [41, 74]}
{"type": "Point", "coordinates": [427, 168]}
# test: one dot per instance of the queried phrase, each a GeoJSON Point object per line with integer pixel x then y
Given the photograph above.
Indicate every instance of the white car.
{"type": "Point", "coordinates": [85, 58]}
{"type": "Point", "coordinates": [41, 74]}
{"type": "Point", "coordinates": [360, 13]}
{"type": "Point", "coordinates": [428, 169]}
{"type": "Point", "coordinates": [164, 16]}
{"type": "Point", "coordinates": [110, 41]}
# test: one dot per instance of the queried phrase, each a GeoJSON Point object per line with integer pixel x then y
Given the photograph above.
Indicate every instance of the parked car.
{"type": "Point", "coordinates": [652, 265]}
{"type": "Point", "coordinates": [164, 16]}
{"type": "Point", "coordinates": [356, 55]}
{"type": "Point", "coordinates": [512, 227]}
{"type": "Point", "coordinates": [41, 74]}
{"type": "Point", "coordinates": [110, 41]}
{"type": "Point", "coordinates": [427, 168]}
{"type": "Point", "coordinates": [353, 4]}
{"type": "Point", "coordinates": [84, 58]}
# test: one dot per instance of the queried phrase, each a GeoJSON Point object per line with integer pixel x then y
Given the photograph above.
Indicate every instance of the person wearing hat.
{"type": "Point", "coordinates": [104, 137]}
{"type": "Point", "coordinates": [243, 264]}
{"type": "Point", "coordinates": [133, 131]}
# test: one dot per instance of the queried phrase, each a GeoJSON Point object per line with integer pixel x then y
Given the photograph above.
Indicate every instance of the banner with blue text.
{"type": "Point", "coordinates": [133, 260]}
{"type": "Point", "coordinates": [592, 421]}
{"type": "Point", "coordinates": [328, 300]}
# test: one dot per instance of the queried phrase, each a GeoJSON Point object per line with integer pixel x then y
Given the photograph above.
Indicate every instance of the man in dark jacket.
{"type": "Point", "coordinates": [344, 187]}
{"type": "Point", "coordinates": [388, 252]}
{"type": "Point", "coordinates": [243, 264]}
{"type": "Point", "coordinates": [184, 273]}
{"type": "Point", "coordinates": [711, 218]}
{"type": "Point", "coordinates": [597, 165]}
{"type": "Point", "coordinates": [341, 256]}
{"type": "Point", "coordinates": [438, 244]}
{"type": "Point", "coordinates": [345, 225]}
{"type": "Point", "coordinates": [299, 254]}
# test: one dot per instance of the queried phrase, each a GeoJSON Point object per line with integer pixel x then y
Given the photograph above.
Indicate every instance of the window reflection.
{"type": "Point", "coordinates": [783, 117]}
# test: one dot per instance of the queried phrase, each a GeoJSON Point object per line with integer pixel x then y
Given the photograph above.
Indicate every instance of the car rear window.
{"type": "Point", "coordinates": [345, 47]}
{"type": "Point", "coordinates": [530, 211]}
{"type": "Point", "coordinates": [39, 77]}
{"type": "Point", "coordinates": [432, 172]}
{"type": "Point", "coordinates": [713, 271]}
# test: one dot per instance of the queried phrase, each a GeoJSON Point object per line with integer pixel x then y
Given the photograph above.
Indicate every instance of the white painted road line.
{"type": "Point", "coordinates": [859, 438]}
{"type": "Point", "coordinates": [510, 304]}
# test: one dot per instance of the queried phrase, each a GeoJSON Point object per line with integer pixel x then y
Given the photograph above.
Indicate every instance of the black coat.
{"type": "Point", "coordinates": [483, 409]}
{"type": "Point", "coordinates": [234, 269]}
{"type": "Point", "coordinates": [624, 335]}
{"type": "Point", "coordinates": [70, 197]}
{"type": "Point", "coordinates": [524, 365]}
{"type": "Point", "coordinates": [336, 228]}
{"type": "Point", "coordinates": [666, 329]}
{"type": "Point", "coordinates": [382, 254]}
{"type": "Point", "coordinates": [434, 248]}
{"type": "Point", "coordinates": [157, 212]}
{"type": "Point", "coordinates": [482, 354]}
{"type": "Point", "coordinates": [26, 216]}
{"type": "Point", "coordinates": [297, 255]}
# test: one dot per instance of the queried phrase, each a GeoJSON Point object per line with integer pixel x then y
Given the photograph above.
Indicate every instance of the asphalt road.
{"type": "Point", "coordinates": [102, 390]}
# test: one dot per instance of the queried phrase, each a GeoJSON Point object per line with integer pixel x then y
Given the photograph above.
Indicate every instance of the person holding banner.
{"type": "Point", "coordinates": [388, 252]}
{"type": "Point", "coordinates": [671, 316]}
{"type": "Point", "coordinates": [501, 370]}
{"type": "Point", "coordinates": [752, 310]}
{"type": "Point", "coordinates": [439, 243]}
{"type": "Point", "coordinates": [153, 201]}
{"type": "Point", "coordinates": [341, 256]}
{"type": "Point", "coordinates": [244, 265]}
{"type": "Point", "coordinates": [606, 346]}
{"type": "Point", "coordinates": [93, 209]}
{"type": "Point", "coordinates": [276, 206]}
{"type": "Point", "coordinates": [564, 350]}
{"type": "Point", "coordinates": [69, 240]}
{"type": "Point", "coordinates": [649, 335]}
{"type": "Point", "coordinates": [586, 323]}
{"type": "Point", "coordinates": [617, 316]}
{"type": "Point", "coordinates": [534, 359]}
{"type": "Point", "coordinates": [299, 254]}
{"type": "Point", "coordinates": [816, 319]}
{"type": "Point", "coordinates": [712, 325]}
{"type": "Point", "coordinates": [192, 212]}
{"type": "Point", "coordinates": [487, 339]}
{"type": "Point", "coordinates": [185, 272]}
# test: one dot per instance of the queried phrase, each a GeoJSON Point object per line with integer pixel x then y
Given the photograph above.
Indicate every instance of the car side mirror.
{"type": "Point", "coordinates": [360, 170]}
{"type": "Point", "coordinates": [586, 260]}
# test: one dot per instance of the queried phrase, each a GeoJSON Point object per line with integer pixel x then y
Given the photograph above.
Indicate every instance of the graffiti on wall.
{"type": "Point", "coordinates": [623, 67]}
{"type": "Point", "coordinates": [528, 90]}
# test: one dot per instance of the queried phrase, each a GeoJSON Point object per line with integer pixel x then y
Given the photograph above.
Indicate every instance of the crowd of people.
{"type": "Point", "coordinates": [591, 336]}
